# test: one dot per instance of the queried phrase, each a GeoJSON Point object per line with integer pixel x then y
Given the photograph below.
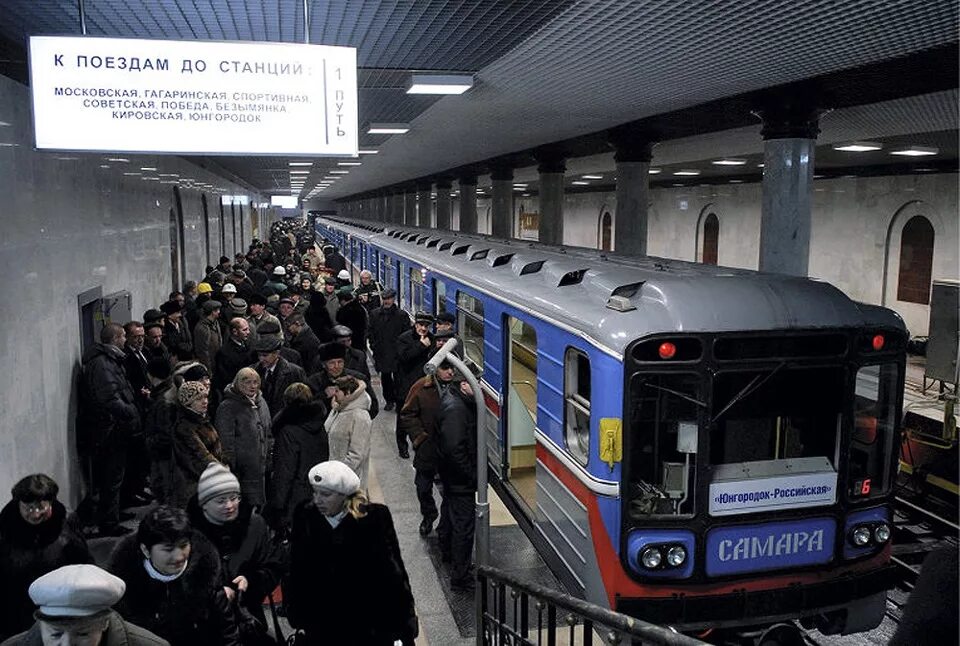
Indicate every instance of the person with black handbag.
{"type": "Point", "coordinates": [347, 581]}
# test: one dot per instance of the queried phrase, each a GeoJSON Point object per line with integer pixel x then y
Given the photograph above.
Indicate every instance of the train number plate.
{"type": "Point", "coordinates": [770, 546]}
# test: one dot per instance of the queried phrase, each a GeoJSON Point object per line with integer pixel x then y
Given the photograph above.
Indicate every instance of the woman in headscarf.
{"type": "Point", "coordinates": [36, 536]}
{"type": "Point", "coordinates": [243, 423]}
{"type": "Point", "coordinates": [344, 549]}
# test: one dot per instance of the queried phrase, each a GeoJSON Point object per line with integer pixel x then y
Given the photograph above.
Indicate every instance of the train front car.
{"type": "Point", "coordinates": [758, 465]}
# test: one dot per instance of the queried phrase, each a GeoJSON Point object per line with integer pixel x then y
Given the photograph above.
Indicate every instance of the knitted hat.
{"type": "Point", "coordinates": [190, 392]}
{"type": "Point", "coordinates": [334, 476]}
{"type": "Point", "coordinates": [74, 591]}
{"type": "Point", "coordinates": [238, 306]}
{"type": "Point", "coordinates": [216, 480]}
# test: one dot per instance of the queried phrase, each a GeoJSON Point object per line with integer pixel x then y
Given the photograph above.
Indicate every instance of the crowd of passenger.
{"type": "Point", "coordinates": [239, 414]}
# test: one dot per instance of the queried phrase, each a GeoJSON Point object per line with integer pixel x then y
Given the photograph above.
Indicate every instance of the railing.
{"type": "Point", "coordinates": [511, 612]}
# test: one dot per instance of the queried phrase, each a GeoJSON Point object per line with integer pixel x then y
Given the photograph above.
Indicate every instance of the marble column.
{"type": "Point", "coordinates": [410, 207]}
{"type": "Point", "coordinates": [551, 168]}
{"type": "Point", "coordinates": [790, 136]}
{"type": "Point", "coordinates": [468, 203]}
{"type": "Point", "coordinates": [443, 203]}
{"type": "Point", "coordinates": [633, 196]}
{"type": "Point", "coordinates": [424, 204]}
{"type": "Point", "coordinates": [501, 211]}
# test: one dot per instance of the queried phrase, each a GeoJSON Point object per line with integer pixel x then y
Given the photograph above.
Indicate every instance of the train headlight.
{"type": "Point", "coordinates": [881, 533]}
{"type": "Point", "coordinates": [676, 555]}
{"type": "Point", "coordinates": [651, 558]}
{"type": "Point", "coordinates": [860, 536]}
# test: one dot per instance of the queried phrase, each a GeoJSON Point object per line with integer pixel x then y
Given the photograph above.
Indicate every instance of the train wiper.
{"type": "Point", "coordinates": [749, 389]}
{"type": "Point", "coordinates": [676, 393]}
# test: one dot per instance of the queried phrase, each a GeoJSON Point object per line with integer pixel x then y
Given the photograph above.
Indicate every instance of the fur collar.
{"type": "Point", "coordinates": [20, 533]}
{"type": "Point", "coordinates": [357, 399]}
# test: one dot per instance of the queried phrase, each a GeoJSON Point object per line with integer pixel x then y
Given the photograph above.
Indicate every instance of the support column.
{"type": "Point", "coordinates": [443, 203]}
{"type": "Point", "coordinates": [551, 167]}
{"type": "Point", "coordinates": [379, 213]}
{"type": "Point", "coordinates": [410, 207]}
{"type": "Point", "coordinates": [633, 195]}
{"type": "Point", "coordinates": [424, 206]}
{"type": "Point", "coordinates": [398, 207]}
{"type": "Point", "coordinates": [501, 212]}
{"type": "Point", "coordinates": [468, 203]}
{"type": "Point", "coordinates": [790, 136]}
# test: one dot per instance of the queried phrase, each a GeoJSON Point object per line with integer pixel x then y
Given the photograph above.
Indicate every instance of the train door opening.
{"type": "Point", "coordinates": [521, 414]}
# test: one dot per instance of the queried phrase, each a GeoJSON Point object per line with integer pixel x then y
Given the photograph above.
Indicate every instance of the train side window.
{"type": "Point", "coordinates": [404, 287]}
{"type": "Point", "coordinates": [664, 413]}
{"type": "Point", "coordinates": [470, 327]}
{"type": "Point", "coordinates": [874, 431]}
{"type": "Point", "coordinates": [439, 296]}
{"type": "Point", "coordinates": [416, 289]}
{"type": "Point", "coordinates": [576, 396]}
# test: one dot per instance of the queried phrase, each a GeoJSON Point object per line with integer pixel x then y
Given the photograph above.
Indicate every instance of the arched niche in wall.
{"type": "Point", "coordinates": [605, 230]}
{"type": "Point", "coordinates": [177, 241]}
{"type": "Point", "coordinates": [914, 240]}
{"type": "Point", "coordinates": [707, 238]}
{"type": "Point", "coordinates": [206, 228]}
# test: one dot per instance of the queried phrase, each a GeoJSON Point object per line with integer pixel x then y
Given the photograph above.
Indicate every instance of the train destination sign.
{"type": "Point", "coordinates": [753, 495]}
{"type": "Point", "coordinates": [193, 97]}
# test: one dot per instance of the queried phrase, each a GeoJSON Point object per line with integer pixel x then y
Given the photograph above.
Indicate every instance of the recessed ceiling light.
{"type": "Point", "coordinates": [104, 165]}
{"type": "Point", "coordinates": [3, 124]}
{"type": "Point", "coordinates": [519, 185]}
{"type": "Point", "coordinates": [169, 175]}
{"type": "Point", "coordinates": [368, 151]}
{"type": "Point", "coordinates": [132, 174]}
{"type": "Point", "coordinates": [120, 160]}
{"type": "Point", "coordinates": [299, 172]}
{"type": "Point", "coordinates": [924, 170]}
{"type": "Point", "coordinates": [339, 172]}
{"type": "Point", "coordinates": [439, 83]}
{"type": "Point", "coordinates": [678, 185]}
{"type": "Point", "coordinates": [68, 158]}
{"type": "Point", "coordinates": [728, 162]}
{"type": "Point", "coordinates": [858, 146]}
{"type": "Point", "coordinates": [736, 181]}
{"type": "Point", "coordinates": [686, 173]}
{"type": "Point", "coordinates": [349, 163]}
{"type": "Point", "coordinates": [388, 128]}
{"type": "Point", "coordinates": [300, 163]}
{"type": "Point", "coordinates": [147, 168]}
{"type": "Point", "coordinates": [759, 165]}
{"type": "Point", "coordinates": [6, 144]}
{"type": "Point", "coordinates": [916, 151]}
{"type": "Point", "coordinates": [580, 183]}
{"type": "Point", "coordinates": [654, 171]}
{"type": "Point", "coordinates": [591, 177]}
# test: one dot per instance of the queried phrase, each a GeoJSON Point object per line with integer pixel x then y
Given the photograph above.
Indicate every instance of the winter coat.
{"type": "Point", "coordinates": [331, 302]}
{"type": "Point", "coordinates": [29, 551]}
{"type": "Point", "coordinates": [284, 374]}
{"type": "Point", "coordinates": [299, 442]}
{"type": "Point", "coordinates": [190, 610]}
{"type": "Point", "coordinates": [255, 324]}
{"type": "Point", "coordinates": [118, 633]}
{"type": "Point", "coordinates": [174, 335]}
{"type": "Point", "coordinates": [335, 262]}
{"type": "Point", "coordinates": [245, 549]}
{"type": "Point", "coordinates": [318, 318]}
{"type": "Point", "coordinates": [229, 359]}
{"type": "Point", "coordinates": [320, 381]}
{"type": "Point", "coordinates": [207, 341]}
{"type": "Point", "coordinates": [369, 295]}
{"type": "Point", "coordinates": [348, 432]}
{"type": "Point", "coordinates": [362, 556]}
{"type": "Point", "coordinates": [107, 402]}
{"type": "Point", "coordinates": [418, 419]}
{"type": "Point", "coordinates": [457, 442]}
{"type": "Point", "coordinates": [307, 344]}
{"type": "Point", "coordinates": [386, 326]}
{"type": "Point", "coordinates": [357, 361]}
{"type": "Point", "coordinates": [244, 428]}
{"type": "Point", "coordinates": [354, 317]}
{"type": "Point", "coordinates": [137, 376]}
{"type": "Point", "coordinates": [159, 425]}
{"type": "Point", "coordinates": [412, 356]}
{"type": "Point", "coordinates": [196, 444]}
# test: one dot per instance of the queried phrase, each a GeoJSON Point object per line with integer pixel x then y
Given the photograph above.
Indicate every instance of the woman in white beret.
{"type": "Point", "coordinates": [347, 582]}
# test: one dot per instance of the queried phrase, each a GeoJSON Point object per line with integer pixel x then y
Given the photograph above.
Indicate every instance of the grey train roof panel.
{"type": "Point", "coordinates": [668, 295]}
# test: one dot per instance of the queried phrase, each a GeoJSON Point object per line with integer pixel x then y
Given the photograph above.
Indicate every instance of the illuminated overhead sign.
{"type": "Point", "coordinates": [193, 97]}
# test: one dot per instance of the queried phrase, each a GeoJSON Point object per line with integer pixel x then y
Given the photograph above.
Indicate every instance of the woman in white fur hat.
{"type": "Point", "coordinates": [347, 582]}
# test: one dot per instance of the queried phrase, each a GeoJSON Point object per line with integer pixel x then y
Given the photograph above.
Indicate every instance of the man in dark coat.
{"type": "Point", "coordinates": [303, 340]}
{"type": "Point", "coordinates": [443, 329]}
{"type": "Point", "coordinates": [317, 315]}
{"type": "Point", "coordinates": [457, 448]}
{"type": "Point", "coordinates": [368, 291]}
{"type": "Point", "coordinates": [158, 426]}
{"type": "Point", "coordinates": [109, 416]}
{"type": "Point", "coordinates": [387, 323]}
{"type": "Point", "coordinates": [175, 330]}
{"type": "Point", "coordinates": [36, 537]}
{"type": "Point", "coordinates": [355, 359]}
{"type": "Point", "coordinates": [333, 260]}
{"type": "Point", "coordinates": [332, 362]}
{"type": "Point", "coordinates": [418, 419]}
{"type": "Point", "coordinates": [153, 342]}
{"type": "Point", "coordinates": [235, 353]}
{"type": "Point", "coordinates": [271, 331]}
{"type": "Point", "coordinates": [414, 348]}
{"type": "Point", "coordinates": [276, 373]}
{"type": "Point", "coordinates": [354, 316]}
{"type": "Point", "coordinates": [137, 469]}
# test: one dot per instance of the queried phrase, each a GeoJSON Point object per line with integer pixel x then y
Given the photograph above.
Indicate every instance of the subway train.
{"type": "Point", "coordinates": [708, 448]}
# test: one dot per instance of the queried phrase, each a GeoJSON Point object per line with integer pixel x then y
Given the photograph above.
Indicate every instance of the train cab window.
{"type": "Point", "coordinates": [576, 396]}
{"type": "Point", "coordinates": [874, 431]}
{"type": "Point", "coordinates": [470, 327]}
{"type": "Point", "coordinates": [776, 414]}
{"type": "Point", "coordinates": [416, 289]}
{"type": "Point", "coordinates": [664, 417]}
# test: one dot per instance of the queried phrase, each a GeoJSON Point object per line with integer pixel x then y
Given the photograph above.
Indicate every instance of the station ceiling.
{"type": "Point", "coordinates": [549, 71]}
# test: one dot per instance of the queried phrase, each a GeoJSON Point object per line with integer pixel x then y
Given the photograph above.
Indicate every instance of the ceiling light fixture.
{"type": "Point", "coordinates": [439, 83]}
{"type": "Point", "coordinates": [916, 151]}
{"type": "Point", "coordinates": [368, 151]}
{"type": "Point", "coordinates": [728, 162]}
{"type": "Point", "coordinates": [349, 163]}
{"type": "Point", "coordinates": [858, 146]}
{"type": "Point", "coordinates": [300, 163]}
{"type": "Point", "coordinates": [686, 173]}
{"type": "Point", "coordinates": [299, 172]}
{"type": "Point", "coordinates": [579, 183]}
{"type": "Point", "coordinates": [339, 172]}
{"type": "Point", "coordinates": [388, 128]}
{"type": "Point", "coordinates": [118, 159]}
{"type": "Point", "coordinates": [3, 124]}
{"type": "Point", "coordinates": [591, 177]}
{"type": "Point", "coordinates": [654, 171]}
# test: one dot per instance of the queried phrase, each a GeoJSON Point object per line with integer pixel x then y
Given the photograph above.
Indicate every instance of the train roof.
{"type": "Point", "coordinates": [614, 299]}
